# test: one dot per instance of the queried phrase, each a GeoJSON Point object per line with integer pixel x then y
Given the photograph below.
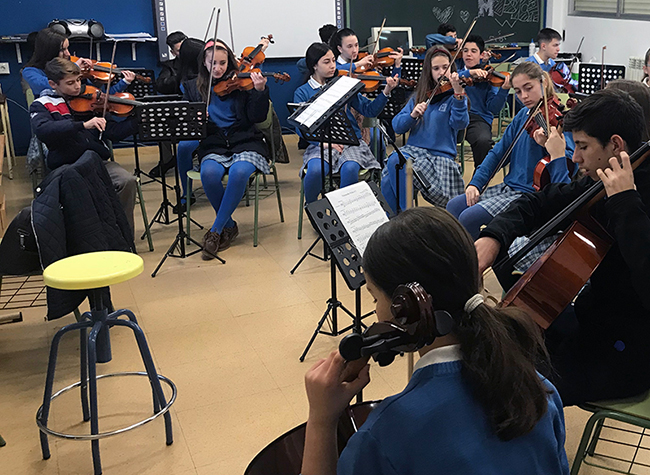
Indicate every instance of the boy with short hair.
{"type": "Point", "coordinates": [486, 100]}
{"type": "Point", "coordinates": [67, 138]}
{"type": "Point", "coordinates": [600, 344]}
{"type": "Point", "coordinates": [549, 47]}
{"type": "Point", "coordinates": [446, 36]}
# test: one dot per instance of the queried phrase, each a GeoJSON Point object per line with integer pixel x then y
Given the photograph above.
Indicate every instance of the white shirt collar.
{"type": "Point", "coordinates": [444, 354]}
{"type": "Point", "coordinates": [313, 83]}
{"type": "Point", "coordinates": [342, 60]}
{"type": "Point", "coordinates": [539, 59]}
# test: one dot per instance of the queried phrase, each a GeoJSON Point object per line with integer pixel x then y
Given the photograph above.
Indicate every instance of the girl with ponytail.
{"type": "Point", "coordinates": [475, 402]}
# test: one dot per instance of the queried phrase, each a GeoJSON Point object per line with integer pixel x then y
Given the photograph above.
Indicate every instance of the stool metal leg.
{"type": "Point", "coordinates": [83, 345]}
{"type": "Point", "coordinates": [151, 370]}
{"type": "Point", "coordinates": [92, 383]}
{"type": "Point", "coordinates": [49, 380]}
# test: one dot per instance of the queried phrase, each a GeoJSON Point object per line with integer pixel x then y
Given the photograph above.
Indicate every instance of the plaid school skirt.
{"type": "Point", "coordinates": [525, 262]}
{"type": "Point", "coordinates": [357, 153]}
{"type": "Point", "coordinates": [497, 198]}
{"type": "Point", "coordinates": [260, 162]}
{"type": "Point", "coordinates": [442, 173]}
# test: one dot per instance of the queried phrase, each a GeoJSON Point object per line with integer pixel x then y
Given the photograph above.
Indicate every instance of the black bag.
{"type": "Point", "coordinates": [18, 249]}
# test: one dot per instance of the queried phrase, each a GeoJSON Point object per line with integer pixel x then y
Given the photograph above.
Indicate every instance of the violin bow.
{"type": "Point", "coordinates": [381, 28]}
{"type": "Point", "coordinates": [207, 30]}
{"type": "Point", "coordinates": [214, 50]}
{"type": "Point", "coordinates": [108, 86]}
{"type": "Point", "coordinates": [602, 68]}
{"type": "Point", "coordinates": [232, 37]}
{"type": "Point", "coordinates": [548, 123]}
{"type": "Point", "coordinates": [453, 60]}
{"type": "Point", "coordinates": [575, 56]}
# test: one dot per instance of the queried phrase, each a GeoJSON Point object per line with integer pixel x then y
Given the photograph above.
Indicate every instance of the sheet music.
{"type": "Point", "coordinates": [325, 101]}
{"type": "Point", "coordinates": [359, 211]}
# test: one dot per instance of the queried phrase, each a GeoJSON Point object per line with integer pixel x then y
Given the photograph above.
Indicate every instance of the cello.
{"type": "Point", "coordinates": [553, 281]}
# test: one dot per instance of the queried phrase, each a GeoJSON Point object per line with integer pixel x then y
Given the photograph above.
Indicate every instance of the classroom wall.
{"type": "Point", "coordinates": [623, 38]}
{"type": "Point", "coordinates": [24, 16]}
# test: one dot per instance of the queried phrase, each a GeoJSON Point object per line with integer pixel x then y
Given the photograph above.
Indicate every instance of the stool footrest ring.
{"type": "Point", "coordinates": [102, 435]}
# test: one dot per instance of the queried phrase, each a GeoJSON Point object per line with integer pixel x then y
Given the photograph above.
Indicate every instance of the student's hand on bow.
{"type": "Point", "coordinates": [129, 76]}
{"type": "Point", "coordinates": [259, 81]}
{"type": "Point", "coordinates": [327, 392]}
{"type": "Point", "coordinates": [487, 250]}
{"type": "Point", "coordinates": [472, 195]}
{"type": "Point", "coordinates": [418, 110]}
{"type": "Point", "coordinates": [98, 123]}
{"type": "Point", "coordinates": [619, 177]}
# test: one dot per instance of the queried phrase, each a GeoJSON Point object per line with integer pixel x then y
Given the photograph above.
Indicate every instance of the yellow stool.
{"type": "Point", "coordinates": [94, 272]}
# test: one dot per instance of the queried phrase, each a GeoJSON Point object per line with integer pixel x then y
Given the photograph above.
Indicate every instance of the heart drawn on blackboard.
{"type": "Point", "coordinates": [441, 15]}
{"type": "Point", "coordinates": [464, 15]}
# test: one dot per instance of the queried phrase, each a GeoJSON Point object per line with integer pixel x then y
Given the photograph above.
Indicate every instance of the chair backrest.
{"type": "Point", "coordinates": [266, 128]}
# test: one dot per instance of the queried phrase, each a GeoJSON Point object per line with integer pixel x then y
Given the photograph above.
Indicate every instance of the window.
{"type": "Point", "coordinates": [632, 9]}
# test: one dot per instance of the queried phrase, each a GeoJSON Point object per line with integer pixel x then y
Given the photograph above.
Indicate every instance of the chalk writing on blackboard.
{"type": "Point", "coordinates": [509, 12]}
{"type": "Point", "coordinates": [443, 15]}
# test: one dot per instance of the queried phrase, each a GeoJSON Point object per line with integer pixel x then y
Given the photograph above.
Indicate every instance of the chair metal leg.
{"type": "Point", "coordinates": [83, 345]}
{"type": "Point", "coordinates": [257, 208]}
{"type": "Point", "coordinates": [586, 436]}
{"type": "Point", "coordinates": [301, 208]}
{"type": "Point", "coordinates": [143, 209]}
{"type": "Point", "coordinates": [277, 192]}
{"type": "Point", "coordinates": [594, 438]}
{"type": "Point", "coordinates": [246, 194]}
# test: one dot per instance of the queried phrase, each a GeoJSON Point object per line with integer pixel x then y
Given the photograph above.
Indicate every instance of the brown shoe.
{"type": "Point", "coordinates": [228, 235]}
{"type": "Point", "coordinates": [210, 245]}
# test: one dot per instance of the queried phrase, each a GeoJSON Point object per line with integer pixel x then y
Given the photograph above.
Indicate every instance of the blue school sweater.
{"type": "Point", "coordinates": [436, 131]}
{"type": "Point", "coordinates": [360, 103]}
{"type": "Point", "coordinates": [485, 99]}
{"type": "Point", "coordinates": [37, 81]}
{"type": "Point", "coordinates": [523, 159]}
{"type": "Point", "coordinates": [437, 427]}
{"type": "Point", "coordinates": [563, 68]}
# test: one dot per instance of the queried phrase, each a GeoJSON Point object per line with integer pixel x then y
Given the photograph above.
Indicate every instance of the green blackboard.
{"type": "Point", "coordinates": [495, 17]}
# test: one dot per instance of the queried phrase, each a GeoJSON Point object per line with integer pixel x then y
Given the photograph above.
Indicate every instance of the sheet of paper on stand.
{"type": "Point", "coordinates": [317, 108]}
{"type": "Point", "coordinates": [359, 212]}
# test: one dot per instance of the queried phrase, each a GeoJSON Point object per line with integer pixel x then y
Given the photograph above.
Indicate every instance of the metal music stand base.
{"type": "Point", "coordinates": [323, 258]}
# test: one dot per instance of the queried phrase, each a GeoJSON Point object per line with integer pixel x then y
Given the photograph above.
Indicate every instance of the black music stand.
{"type": "Point", "coordinates": [347, 258]}
{"type": "Point", "coordinates": [331, 127]}
{"type": "Point", "coordinates": [590, 76]}
{"type": "Point", "coordinates": [173, 122]}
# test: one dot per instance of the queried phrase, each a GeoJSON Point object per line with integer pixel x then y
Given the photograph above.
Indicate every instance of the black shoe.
{"type": "Point", "coordinates": [155, 171]}
{"type": "Point", "coordinates": [228, 235]}
{"type": "Point", "coordinates": [210, 245]}
{"type": "Point", "coordinates": [184, 205]}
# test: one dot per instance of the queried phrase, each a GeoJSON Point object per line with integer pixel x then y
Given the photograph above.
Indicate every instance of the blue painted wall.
{"type": "Point", "coordinates": [124, 16]}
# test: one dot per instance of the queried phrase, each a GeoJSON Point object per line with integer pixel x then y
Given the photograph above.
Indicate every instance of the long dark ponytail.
{"type": "Point", "coordinates": [47, 46]}
{"type": "Point", "coordinates": [500, 348]}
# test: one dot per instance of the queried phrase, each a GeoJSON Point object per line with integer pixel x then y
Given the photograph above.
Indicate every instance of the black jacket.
{"type": "Point", "coordinates": [243, 136]}
{"type": "Point", "coordinates": [169, 79]}
{"type": "Point", "coordinates": [77, 211]}
{"type": "Point", "coordinates": [65, 135]}
{"type": "Point", "coordinates": [616, 306]}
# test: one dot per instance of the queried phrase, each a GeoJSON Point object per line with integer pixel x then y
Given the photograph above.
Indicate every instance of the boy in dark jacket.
{"type": "Point", "coordinates": [600, 345]}
{"type": "Point", "coordinates": [68, 139]}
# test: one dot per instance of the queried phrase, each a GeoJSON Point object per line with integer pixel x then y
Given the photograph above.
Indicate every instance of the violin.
{"type": "Point", "coordinates": [241, 81]}
{"type": "Point", "coordinates": [99, 71]}
{"type": "Point", "coordinates": [253, 56]}
{"type": "Point", "coordinates": [418, 49]}
{"type": "Point", "coordinates": [381, 59]}
{"type": "Point", "coordinates": [553, 281]}
{"type": "Point", "coordinates": [372, 79]}
{"type": "Point", "coordinates": [556, 111]}
{"type": "Point", "coordinates": [560, 82]}
{"type": "Point", "coordinates": [92, 100]}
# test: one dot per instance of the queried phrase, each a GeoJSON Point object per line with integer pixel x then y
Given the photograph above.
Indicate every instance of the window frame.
{"type": "Point", "coordinates": [619, 15]}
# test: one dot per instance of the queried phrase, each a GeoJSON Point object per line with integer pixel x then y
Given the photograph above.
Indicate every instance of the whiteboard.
{"type": "Point", "coordinates": [294, 24]}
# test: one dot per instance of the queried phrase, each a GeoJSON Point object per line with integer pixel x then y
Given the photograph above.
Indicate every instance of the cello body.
{"type": "Point", "coordinates": [553, 281]}
{"type": "Point", "coordinates": [283, 456]}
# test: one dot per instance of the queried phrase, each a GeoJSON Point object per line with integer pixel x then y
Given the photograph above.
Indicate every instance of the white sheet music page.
{"type": "Point", "coordinates": [325, 101]}
{"type": "Point", "coordinates": [359, 211]}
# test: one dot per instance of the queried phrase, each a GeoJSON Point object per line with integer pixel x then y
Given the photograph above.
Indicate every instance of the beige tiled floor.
{"type": "Point", "coordinates": [229, 336]}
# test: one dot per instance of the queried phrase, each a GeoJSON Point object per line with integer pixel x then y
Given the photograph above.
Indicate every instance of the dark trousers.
{"type": "Point", "coordinates": [479, 136]}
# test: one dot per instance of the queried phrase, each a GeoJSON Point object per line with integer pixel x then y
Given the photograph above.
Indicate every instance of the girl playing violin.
{"type": "Point", "coordinates": [345, 46]}
{"type": "Point", "coordinates": [233, 145]}
{"type": "Point", "coordinates": [432, 138]}
{"type": "Point", "coordinates": [475, 403]}
{"type": "Point", "coordinates": [477, 207]}
{"type": "Point", "coordinates": [51, 44]}
{"type": "Point", "coordinates": [348, 160]}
